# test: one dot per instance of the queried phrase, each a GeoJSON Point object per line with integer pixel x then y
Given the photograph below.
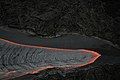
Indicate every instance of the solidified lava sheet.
{"type": "Point", "coordinates": [17, 60]}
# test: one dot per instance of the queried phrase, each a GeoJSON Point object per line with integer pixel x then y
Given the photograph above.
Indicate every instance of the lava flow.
{"type": "Point", "coordinates": [19, 59]}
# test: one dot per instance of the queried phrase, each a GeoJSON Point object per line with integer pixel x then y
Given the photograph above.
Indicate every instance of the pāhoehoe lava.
{"type": "Point", "coordinates": [18, 59]}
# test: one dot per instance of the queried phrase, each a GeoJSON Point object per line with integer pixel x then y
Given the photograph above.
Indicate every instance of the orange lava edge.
{"type": "Point", "coordinates": [94, 54]}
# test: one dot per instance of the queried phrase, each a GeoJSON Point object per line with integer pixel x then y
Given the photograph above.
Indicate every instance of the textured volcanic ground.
{"type": "Point", "coordinates": [50, 18]}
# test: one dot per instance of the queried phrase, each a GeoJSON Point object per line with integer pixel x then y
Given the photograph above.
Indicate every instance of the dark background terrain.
{"type": "Point", "coordinates": [100, 18]}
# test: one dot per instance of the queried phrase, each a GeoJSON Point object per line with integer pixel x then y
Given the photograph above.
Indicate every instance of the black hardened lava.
{"type": "Point", "coordinates": [100, 72]}
{"type": "Point", "coordinates": [50, 18]}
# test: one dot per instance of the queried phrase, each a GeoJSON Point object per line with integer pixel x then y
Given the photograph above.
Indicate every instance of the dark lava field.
{"type": "Point", "coordinates": [55, 18]}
